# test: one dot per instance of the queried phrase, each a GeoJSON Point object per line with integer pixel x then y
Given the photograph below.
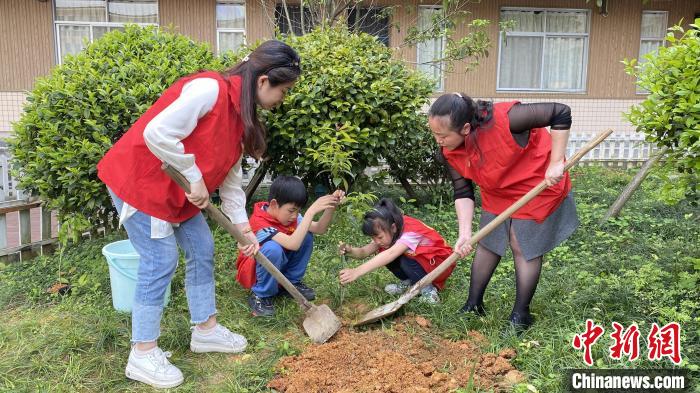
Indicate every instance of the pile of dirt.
{"type": "Point", "coordinates": [396, 360]}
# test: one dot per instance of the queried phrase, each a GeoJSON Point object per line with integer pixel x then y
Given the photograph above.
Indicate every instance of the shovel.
{"type": "Point", "coordinates": [320, 323]}
{"type": "Point", "coordinates": [390, 308]}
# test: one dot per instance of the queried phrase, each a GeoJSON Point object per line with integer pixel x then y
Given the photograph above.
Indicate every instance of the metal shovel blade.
{"type": "Point", "coordinates": [379, 313]}
{"type": "Point", "coordinates": [390, 308]}
{"type": "Point", "coordinates": [321, 323]}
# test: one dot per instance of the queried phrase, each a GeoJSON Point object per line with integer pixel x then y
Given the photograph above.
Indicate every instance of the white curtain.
{"type": "Point", "coordinates": [525, 21]}
{"type": "Point", "coordinates": [134, 11]}
{"type": "Point", "coordinates": [230, 15]}
{"type": "Point", "coordinates": [72, 38]}
{"type": "Point", "coordinates": [430, 50]}
{"type": "Point", "coordinates": [81, 10]}
{"type": "Point", "coordinates": [567, 22]}
{"type": "Point", "coordinates": [230, 40]}
{"type": "Point", "coordinates": [563, 63]}
{"type": "Point", "coordinates": [653, 25]}
{"type": "Point", "coordinates": [521, 62]}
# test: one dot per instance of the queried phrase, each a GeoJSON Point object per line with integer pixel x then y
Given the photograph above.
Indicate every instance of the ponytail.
{"type": "Point", "coordinates": [461, 110]}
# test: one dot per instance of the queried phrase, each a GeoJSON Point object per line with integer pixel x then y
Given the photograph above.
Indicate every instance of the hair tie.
{"type": "Point", "coordinates": [246, 58]}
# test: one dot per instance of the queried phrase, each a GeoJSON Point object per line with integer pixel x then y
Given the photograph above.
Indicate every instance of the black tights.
{"type": "Point", "coordinates": [527, 275]}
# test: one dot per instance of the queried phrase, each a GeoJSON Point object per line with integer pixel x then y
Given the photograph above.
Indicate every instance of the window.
{"type": "Point", "coordinates": [292, 14]}
{"type": "Point", "coordinates": [428, 52]}
{"type": "Point", "coordinates": [230, 25]}
{"type": "Point", "coordinates": [547, 50]}
{"type": "Point", "coordinates": [370, 20]}
{"type": "Point", "coordinates": [80, 21]}
{"type": "Point", "coordinates": [652, 35]}
{"type": "Point", "coordinates": [653, 32]}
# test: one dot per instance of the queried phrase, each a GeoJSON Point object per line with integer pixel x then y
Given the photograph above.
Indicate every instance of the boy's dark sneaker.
{"type": "Point", "coordinates": [261, 306]}
{"type": "Point", "coordinates": [305, 291]}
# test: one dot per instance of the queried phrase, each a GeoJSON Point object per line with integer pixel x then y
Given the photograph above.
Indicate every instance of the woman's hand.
{"type": "Point", "coordinates": [252, 248]}
{"type": "Point", "coordinates": [463, 246]}
{"type": "Point", "coordinates": [554, 173]}
{"type": "Point", "coordinates": [348, 275]}
{"type": "Point", "coordinates": [198, 195]}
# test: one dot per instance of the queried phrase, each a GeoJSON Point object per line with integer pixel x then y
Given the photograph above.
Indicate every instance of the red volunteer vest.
{"type": "Point", "coordinates": [505, 171]}
{"type": "Point", "coordinates": [429, 257]}
{"type": "Point", "coordinates": [258, 220]}
{"type": "Point", "coordinates": [133, 173]}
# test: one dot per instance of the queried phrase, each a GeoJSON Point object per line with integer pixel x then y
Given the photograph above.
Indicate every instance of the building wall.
{"type": "Point", "coordinates": [10, 108]}
{"type": "Point", "coordinates": [196, 19]}
{"type": "Point", "coordinates": [27, 44]}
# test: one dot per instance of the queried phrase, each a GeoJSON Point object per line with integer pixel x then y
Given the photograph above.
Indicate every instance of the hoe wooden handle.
{"type": "Point", "coordinates": [222, 220]}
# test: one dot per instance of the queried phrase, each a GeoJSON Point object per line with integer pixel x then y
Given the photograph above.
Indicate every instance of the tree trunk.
{"type": "Point", "coordinates": [632, 186]}
{"type": "Point", "coordinates": [404, 182]}
{"type": "Point", "coordinates": [256, 179]}
{"type": "Point", "coordinates": [408, 187]}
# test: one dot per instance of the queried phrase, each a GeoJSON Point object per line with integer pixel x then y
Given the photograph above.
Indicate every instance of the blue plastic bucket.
{"type": "Point", "coordinates": [123, 264]}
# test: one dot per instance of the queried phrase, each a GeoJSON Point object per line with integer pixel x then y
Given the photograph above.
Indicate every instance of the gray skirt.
{"type": "Point", "coordinates": [534, 239]}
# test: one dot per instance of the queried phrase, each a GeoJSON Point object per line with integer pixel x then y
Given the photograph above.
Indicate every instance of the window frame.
{"type": "Point", "coordinates": [367, 9]}
{"type": "Point", "coordinates": [544, 34]}
{"type": "Point", "coordinates": [642, 39]}
{"type": "Point", "coordinates": [231, 29]}
{"type": "Point", "coordinates": [441, 81]}
{"type": "Point", "coordinates": [90, 25]}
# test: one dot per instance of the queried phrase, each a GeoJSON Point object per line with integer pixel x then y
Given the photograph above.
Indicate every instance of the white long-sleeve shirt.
{"type": "Point", "coordinates": [163, 136]}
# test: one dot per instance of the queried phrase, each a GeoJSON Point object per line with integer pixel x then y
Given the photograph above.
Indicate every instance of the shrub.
{"type": "Point", "coordinates": [353, 105]}
{"type": "Point", "coordinates": [670, 115]}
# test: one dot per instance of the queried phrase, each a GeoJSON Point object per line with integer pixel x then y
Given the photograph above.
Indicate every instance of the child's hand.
{"type": "Point", "coordinates": [322, 203]}
{"type": "Point", "coordinates": [348, 275]}
{"type": "Point", "coordinates": [339, 195]}
{"type": "Point", "coordinates": [344, 248]}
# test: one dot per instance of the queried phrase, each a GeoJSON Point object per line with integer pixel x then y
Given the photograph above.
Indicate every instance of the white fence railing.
{"type": "Point", "coordinates": [624, 148]}
{"type": "Point", "coordinates": [25, 226]}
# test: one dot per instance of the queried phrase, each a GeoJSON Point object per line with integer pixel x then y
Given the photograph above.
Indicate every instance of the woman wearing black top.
{"type": "Point", "coordinates": [505, 150]}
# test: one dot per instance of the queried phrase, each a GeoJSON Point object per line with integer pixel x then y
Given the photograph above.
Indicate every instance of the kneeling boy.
{"type": "Point", "coordinates": [285, 238]}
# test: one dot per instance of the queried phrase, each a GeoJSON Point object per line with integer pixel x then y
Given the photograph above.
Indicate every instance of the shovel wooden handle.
{"type": "Point", "coordinates": [427, 279]}
{"type": "Point", "coordinates": [222, 220]}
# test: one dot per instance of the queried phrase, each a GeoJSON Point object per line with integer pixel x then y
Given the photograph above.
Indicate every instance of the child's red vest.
{"type": "Point", "coordinates": [429, 256]}
{"type": "Point", "coordinates": [505, 171]}
{"type": "Point", "coordinates": [258, 220]}
{"type": "Point", "coordinates": [133, 173]}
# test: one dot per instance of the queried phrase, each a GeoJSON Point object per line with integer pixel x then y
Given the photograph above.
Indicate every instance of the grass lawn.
{"type": "Point", "coordinates": [643, 267]}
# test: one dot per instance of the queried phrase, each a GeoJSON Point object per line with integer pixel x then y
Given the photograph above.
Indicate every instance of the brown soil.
{"type": "Point", "coordinates": [408, 358]}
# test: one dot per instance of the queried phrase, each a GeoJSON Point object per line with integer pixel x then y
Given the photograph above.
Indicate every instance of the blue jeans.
{"type": "Point", "coordinates": [292, 264]}
{"type": "Point", "coordinates": [158, 260]}
{"type": "Point", "coordinates": [405, 268]}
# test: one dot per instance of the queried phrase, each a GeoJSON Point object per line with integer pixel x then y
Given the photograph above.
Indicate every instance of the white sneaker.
{"type": "Point", "coordinates": [398, 289]}
{"type": "Point", "coordinates": [429, 295]}
{"type": "Point", "coordinates": [217, 339]}
{"type": "Point", "coordinates": [153, 368]}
